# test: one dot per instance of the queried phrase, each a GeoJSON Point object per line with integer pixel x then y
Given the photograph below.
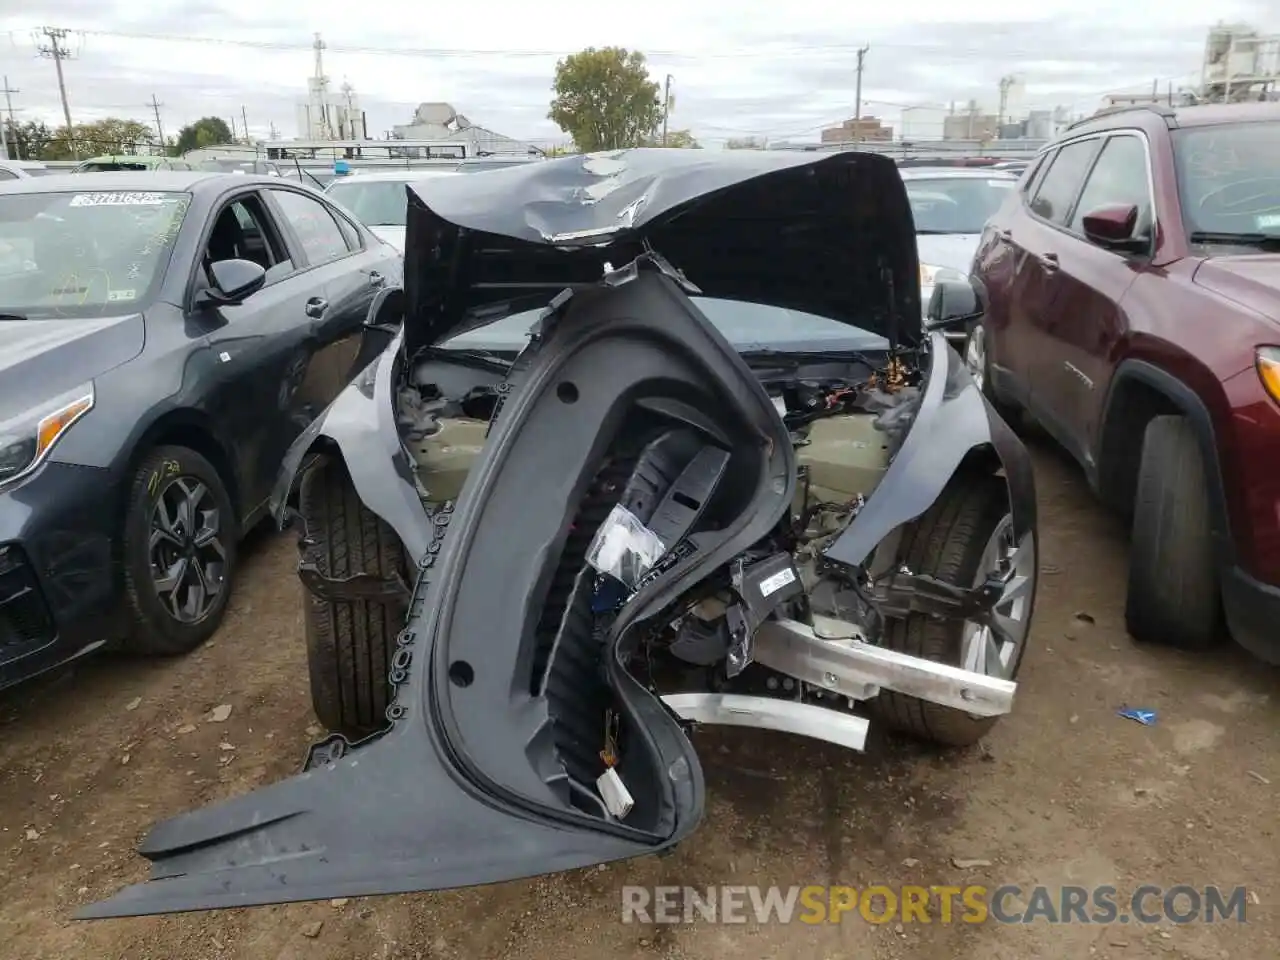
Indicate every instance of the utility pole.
{"type": "Point", "coordinates": [4, 139]}
{"type": "Point", "coordinates": [155, 105]}
{"type": "Point", "coordinates": [245, 120]}
{"type": "Point", "coordinates": [56, 50]}
{"type": "Point", "coordinates": [857, 110]}
{"type": "Point", "coordinates": [666, 107]}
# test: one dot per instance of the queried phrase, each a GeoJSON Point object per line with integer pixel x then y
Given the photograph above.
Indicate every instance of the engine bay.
{"type": "Point", "coordinates": [663, 481]}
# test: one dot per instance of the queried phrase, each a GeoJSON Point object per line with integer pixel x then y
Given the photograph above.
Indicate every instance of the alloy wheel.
{"type": "Point", "coordinates": [991, 652]}
{"type": "Point", "coordinates": [188, 559]}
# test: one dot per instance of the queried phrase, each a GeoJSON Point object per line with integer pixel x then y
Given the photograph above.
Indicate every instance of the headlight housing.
{"type": "Point", "coordinates": [25, 440]}
{"type": "Point", "coordinates": [1267, 362]}
{"type": "Point", "coordinates": [931, 274]}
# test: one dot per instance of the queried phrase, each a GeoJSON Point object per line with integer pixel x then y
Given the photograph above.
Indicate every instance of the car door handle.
{"type": "Point", "coordinates": [1048, 261]}
{"type": "Point", "coordinates": [316, 307]}
{"type": "Point", "coordinates": [376, 279]}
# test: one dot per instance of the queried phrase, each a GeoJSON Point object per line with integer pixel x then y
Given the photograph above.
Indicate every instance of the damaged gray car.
{"type": "Point", "coordinates": [659, 442]}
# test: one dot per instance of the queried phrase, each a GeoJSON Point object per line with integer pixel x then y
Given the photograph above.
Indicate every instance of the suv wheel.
{"type": "Point", "coordinates": [349, 643]}
{"type": "Point", "coordinates": [1173, 584]}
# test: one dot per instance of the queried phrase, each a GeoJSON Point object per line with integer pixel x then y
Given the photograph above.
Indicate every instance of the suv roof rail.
{"type": "Point", "coordinates": [1159, 109]}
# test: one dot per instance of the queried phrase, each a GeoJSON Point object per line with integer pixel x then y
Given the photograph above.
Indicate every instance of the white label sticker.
{"type": "Point", "coordinates": [1267, 221]}
{"type": "Point", "coordinates": [780, 405]}
{"type": "Point", "coordinates": [117, 198]}
{"type": "Point", "coordinates": [114, 295]}
{"type": "Point", "coordinates": [1002, 184]}
{"type": "Point", "coordinates": [771, 585]}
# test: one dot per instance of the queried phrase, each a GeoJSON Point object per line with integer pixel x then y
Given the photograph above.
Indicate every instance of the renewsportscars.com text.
{"type": "Point", "coordinates": [1008, 903]}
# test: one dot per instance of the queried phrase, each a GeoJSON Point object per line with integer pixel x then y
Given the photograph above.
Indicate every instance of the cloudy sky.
{"type": "Point", "coordinates": [781, 70]}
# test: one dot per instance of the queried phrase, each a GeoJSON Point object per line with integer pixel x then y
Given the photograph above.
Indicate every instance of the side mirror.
{"type": "Point", "coordinates": [953, 302]}
{"type": "Point", "coordinates": [234, 281]}
{"type": "Point", "coordinates": [1111, 227]}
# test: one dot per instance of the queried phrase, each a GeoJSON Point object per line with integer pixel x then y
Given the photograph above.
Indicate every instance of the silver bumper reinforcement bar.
{"type": "Point", "coordinates": [769, 713]}
{"type": "Point", "coordinates": [852, 668]}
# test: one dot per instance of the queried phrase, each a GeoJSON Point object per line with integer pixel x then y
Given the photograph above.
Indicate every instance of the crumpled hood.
{"type": "Point", "coordinates": [827, 234]}
{"type": "Point", "coordinates": [1252, 280]}
{"type": "Point", "coordinates": [952, 250]}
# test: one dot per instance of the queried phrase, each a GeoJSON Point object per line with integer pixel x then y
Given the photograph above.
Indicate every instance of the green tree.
{"type": "Point", "coordinates": [205, 132]}
{"type": "Point", "coordinates": [112, 135]}
{"type": "Point", "coordinates": [680, 139]}
{"type": "Point", "coordinates": [604, 99]}
{"type": "Point", "coordinates": [29, 140]}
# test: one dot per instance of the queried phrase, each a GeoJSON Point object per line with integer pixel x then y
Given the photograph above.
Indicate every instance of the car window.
{"type": "Point", "coordinates": [1030, 184]}
{"type": "Point", "coordinates": [311, 221]}
{"type": "Point", "coordinates": [1227, 178]}
{"type": "Point", "coordinates": [376, 203]}
{"type": "Point", "coordinates": [8, 175]}
{"type": "Point", "coordinates": [956, 204]}
{"type": "Point", "coordinates": [349, 233]}
{"type": "Point", "coordinates": [70, 254]}
{"type": "Point", "coordinates": [1119, 177]}
{"type": "Point", "coordinates": [1052, 199]}
{"type": "Point", "coordinates": [244, 231]}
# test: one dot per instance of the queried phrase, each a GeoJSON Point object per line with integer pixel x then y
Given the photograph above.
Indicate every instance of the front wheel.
{"type": "Point", "coordinates": [349, 643]}
{"type": "Point", "coordinates": [1173, 595]}
{"type": "Point", "coordinates": [964, 537]}
{"type": "Point", "coordinates": [179, 552]}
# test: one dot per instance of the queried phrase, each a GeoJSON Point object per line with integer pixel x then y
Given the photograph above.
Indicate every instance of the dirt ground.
{"type": "Point", "coordinates": [1062, 792]}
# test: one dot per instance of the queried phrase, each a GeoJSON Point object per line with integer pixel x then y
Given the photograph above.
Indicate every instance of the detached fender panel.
{"type": "Point", "coordinates": [953, 420]}
{"type": "Point", "coordinates": [360, 426]}
{"type": "Point", "coordinates": [469, 784]}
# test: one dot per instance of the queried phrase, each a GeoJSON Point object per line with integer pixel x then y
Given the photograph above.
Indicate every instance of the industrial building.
{"type": "Point", "coordinates": [440, 122]}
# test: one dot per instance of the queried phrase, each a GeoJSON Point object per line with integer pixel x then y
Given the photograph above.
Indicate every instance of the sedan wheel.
{"type": "Point", "coordinates": [179, 552]}
{"type": "Point", "coordinates": [996, 651]}
{"type": "Point", "coordinates": [188, 561]}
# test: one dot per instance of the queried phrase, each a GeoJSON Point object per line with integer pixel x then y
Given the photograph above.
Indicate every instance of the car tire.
{"type": "Point", "coordinates": [349, 643]}
{"type": "Point", "coordinates": [1173, 594]}
{"type": "Point", "coordinates": [177, 487]}
{"type": "Point", "coordinates": [949, 543]}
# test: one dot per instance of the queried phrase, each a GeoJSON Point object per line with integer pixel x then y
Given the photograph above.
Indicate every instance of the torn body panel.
{"type": "Point", "coordinates": [478, 762]}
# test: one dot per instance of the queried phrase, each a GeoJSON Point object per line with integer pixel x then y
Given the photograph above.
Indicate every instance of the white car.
{"type": "Point", "coordinates": [21, 169]}
{"type": "Point", "coordinates": [950, 206]}
{"type": "Point", "coordinates": [379, 199]}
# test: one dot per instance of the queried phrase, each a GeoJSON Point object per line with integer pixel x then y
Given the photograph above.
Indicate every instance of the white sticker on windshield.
{"type": "Point", "coordinates": [116, 295]}
{"type": "Point", "coordinates": [1267, 221]}
{"type": "Point", "coordinates": [1002, 184]}
{"type": "Point", "coordinates": [117, 198]}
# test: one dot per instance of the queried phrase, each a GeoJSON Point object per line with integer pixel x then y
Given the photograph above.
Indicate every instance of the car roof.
{"type": "Point", "coordinates": [184, 181]}
{"type": "Point", "coordinates": [1211, 114]}
{"type": "Point", "coordinates": [955, 173]}
{"type": "Point", "coordinates": [1147, 115]}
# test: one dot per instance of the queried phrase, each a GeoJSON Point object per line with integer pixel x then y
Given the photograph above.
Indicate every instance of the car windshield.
{"type": "Point", "coordinates": [112, 166]}
{"type": "Point", "coordinates": [1227, 180]}
{"type": "Point", "coordinates": [955, 204]}
{"type": "Point", "coordinates": [376, 203]}
{"type": "Point", "coordinates": [750, 327]}
{"type": "Point", "coordinates": [84, 254]}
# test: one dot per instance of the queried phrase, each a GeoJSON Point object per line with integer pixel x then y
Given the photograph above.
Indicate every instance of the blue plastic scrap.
{"type": "Point", "coordinates": [1145, 717]}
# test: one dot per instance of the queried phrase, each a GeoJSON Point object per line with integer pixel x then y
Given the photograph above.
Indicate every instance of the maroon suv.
{"type": "Point", "coordinates": [1132, 294]}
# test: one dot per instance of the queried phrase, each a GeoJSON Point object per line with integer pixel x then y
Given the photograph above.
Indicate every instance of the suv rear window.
{"type": "Point", "coordinates": [1061, 184]}
{"type": "Point", "coordinates": [1227, 177]}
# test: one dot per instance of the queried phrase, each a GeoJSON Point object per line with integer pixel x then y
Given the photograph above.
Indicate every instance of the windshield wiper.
{"type": "Point", "coordinates": [13, 316]}
{"type": "Point", "coordinates": [1239, 239]}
